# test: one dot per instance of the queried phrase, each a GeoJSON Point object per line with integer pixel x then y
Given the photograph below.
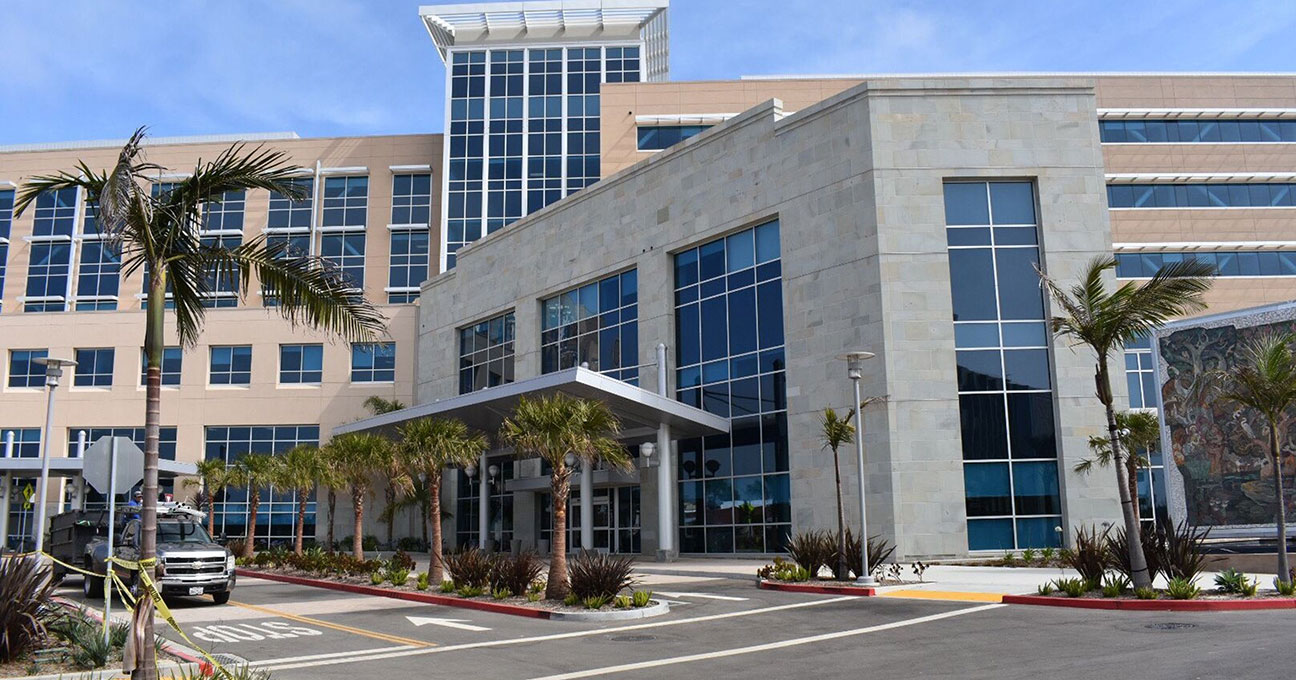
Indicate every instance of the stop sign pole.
{"type": "Point", "coordinates": [112, 525]}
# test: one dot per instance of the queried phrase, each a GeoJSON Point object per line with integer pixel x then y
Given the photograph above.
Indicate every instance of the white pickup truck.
{"type": "Point", "coordinates": [190, 563]}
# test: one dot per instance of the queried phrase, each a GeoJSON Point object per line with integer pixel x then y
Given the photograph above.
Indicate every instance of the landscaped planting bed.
{"type": "Point", "coordinates": [814, 554]}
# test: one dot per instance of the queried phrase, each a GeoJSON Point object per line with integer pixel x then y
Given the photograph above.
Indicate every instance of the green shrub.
{"type": "Point", "coordinates": [1184, 554]}
{"type": "Point", "coordinates": [397, 575]}
{"type": "Point", "coordinates": [501, 593]}
{"type": "Point", "coordinates": [622, 602]}
{"type": "Point", "coordinates": [422, 582]}
{"type": "Point", "coordinates": [1182, 589]}
{"type": "Point", "coordinates": [1008, 559]}
{"type": "Point", "coordinates": [1044, 588]}
{"type": "Point", "coordinates": [537, 586]}
{"type": "Point", "coordinates": [411, 544]}
{"type": "Point", "coordinates": [812, 550]}
{"type": "Point", "coordinates": [515, 573]}
{"type": "Point", "coordinates": [1113, 585]}
{"type": "Point", "coordinates": [571, 600]}
{"type": "Point", "coordinates": [1073, 587]}
{"type": "Point", "coordinates": [1047, 554]}
{"type": "Point", "coordinates": [1234, 582]}
{"type": "Point", "coordinates": [1145, 593]}
{"type": "Point", "coordinates": [470, 567]}
{"type": "Point", "coordinates": [447, 586]}
{"type": "Point", "coordinates": [641, 598]}
{"type": "Point", "coordinates": [1089, 557]}
{"type": "Point", "coordinates": [1153, 541]}
{"type": "Point", "coordinates": [469, 591]}
{"type": "Point", "coordinates": [1028, 555]}
{"type": "Point", "coordinates": [377, 578]}
{"type": "Point", "coordinates": [593, 574]}
{"type": "Point", "coordinates": [1285, 588]}
{"type": "Point", "coordinates": [25, 589]}
{"type": "Point", "coordinates": [401, 559]}
{"type": "Point", "coordinates": [534, 596]}
{"type": "Point", "coordinates": [594, 601]}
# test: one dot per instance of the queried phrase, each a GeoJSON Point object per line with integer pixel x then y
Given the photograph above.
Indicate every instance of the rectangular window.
{"type": "Point", "coordinates": [486, 354]}
{"type": "Point", "coordinates": [286, 212]}
{"type": "Point", "coordinates": [6, 221]}
{"type": "Point", "coordinates": [1196, 131]}
{"type": "Point", "coordinates": [346, 201]}
{"type": "Point", "coordinates": [408, 268]}
{"type": "Point", "coordinates": [231, 365]}
{"type": "Point", "coordinates": [734, 489]}
{"type": "Point", "coordinates": [222, 228]}
{"type": "Point", "coordinates": [285, 246]}
{"type": "Point", "coordinates": [48, 276]}
{"type": "Point", "coordinates": [346, 253]}
{"type": "Point", "coordinates": [660, 137]}
{"type": "Point", "coordinates": [596, 325]}
{"type": "Point", "coordinates": [172, 358]}
{"type": "Point", "coordinates": [412, 199]}
{"type": "Point", "coordinates": [166, 451]}
{"type": "Point", "coordinates": [98, 276]}
{"type": "Point", "coordinates": [301, 364]}
{"type": "Point", "coordinates": [1227, 263]}
{"type": "Point", "coordinates": [26, 444]}
{"type": "Point", "coordinates": [1006, 403]}
{"type": "Point", "coordinates": [467, 148]}
{"type": "Point", "coordinates": [23, 369]}
{"type": "Point", "coordinates": [276, 517]}
{"type": "Point", "coordinates": [55, 213]}
{"type": "Point", "coordinates": [1202, 195]}
{"type": "Point", "coordinates": [94, 367]}
{"type": "Point", "coordinates": [225, 214]}
{"type": "Point", "coordinates": [373, 362]}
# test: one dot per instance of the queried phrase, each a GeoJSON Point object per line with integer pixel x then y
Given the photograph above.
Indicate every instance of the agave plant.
{"type": "Point", "coordinates": [25, 588]}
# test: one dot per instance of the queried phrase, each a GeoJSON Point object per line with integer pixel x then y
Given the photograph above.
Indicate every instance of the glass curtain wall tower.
{"type": "Point", "coordinates": [522, 101]}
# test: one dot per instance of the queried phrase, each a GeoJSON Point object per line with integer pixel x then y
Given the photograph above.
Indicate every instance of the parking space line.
{"type": "Point", "coordinates": [950, 595]}
{"type": "Point", "coordinates": [336, 626]}
{"type": "Point", "coordinates": [703, 596]}
{"type": "Point", "coordinates": [606, 670]}
{"type": "Point", "coordinates": [329, 655]}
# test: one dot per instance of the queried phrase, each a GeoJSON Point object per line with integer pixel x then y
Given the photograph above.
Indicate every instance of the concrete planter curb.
{"type": "Point", "coordinates": [1154, 605]}
{"type": "Point", "coordinates": [655, 609]}
{"type": "Point", "coordinates": [165, 669]}
{"type": "Point", "coordinates": [818, 589]}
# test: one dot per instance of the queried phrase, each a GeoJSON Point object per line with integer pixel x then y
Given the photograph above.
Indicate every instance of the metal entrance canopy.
{"type": "Point", "coordinates": [640, 411]}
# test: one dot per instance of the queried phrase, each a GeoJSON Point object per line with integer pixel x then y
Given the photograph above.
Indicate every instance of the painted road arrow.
{"type": "Point", "coordinates": [420, 621]}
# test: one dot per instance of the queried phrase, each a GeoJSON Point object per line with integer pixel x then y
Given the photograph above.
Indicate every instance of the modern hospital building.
{"type": "Point", "coordinates": [698, 255]}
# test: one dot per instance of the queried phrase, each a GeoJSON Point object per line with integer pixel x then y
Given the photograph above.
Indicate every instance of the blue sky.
{"type": "Point", "coordinates": [83, 69]}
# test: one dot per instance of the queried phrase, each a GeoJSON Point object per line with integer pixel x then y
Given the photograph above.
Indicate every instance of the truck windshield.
{"type": "Point", "coordinates": [182, 532]}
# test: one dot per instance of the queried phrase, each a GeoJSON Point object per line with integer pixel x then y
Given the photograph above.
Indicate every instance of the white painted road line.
{"type": "Point", "coordinates": [360, 656]}
{"type": "Point", "coordinates": [420, 621]}
{"type": "Point", "coordinates": [330, 655]}
{"type": "Point", "coordinates": [599, 672]}
{"type": "Point", "coordinates": [704, 596]}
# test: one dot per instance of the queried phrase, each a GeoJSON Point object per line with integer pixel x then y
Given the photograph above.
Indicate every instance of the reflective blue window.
{"type": "Point", "coordinates": [292, 213]}
{"type": "Point", "coordinates": [301, 364]}
{"type": "Point", "coordinates": [94, 367]}
{"type": "Point", "coordinates": [486, 353]}
{"type": "Point", "coordinates": [6, 219]}
{"type": "Point", "coordinates": [408, 267]}
{"type": "Point", "coordinates": [284, 246]}
{"type": "Point", "coordinates": [1241, 263]}
{"type": "Point", "coordinates": [346, 201]}
{"type": "Point", "coordinates": [230, 365]}
{"type": "Point", "coordinates": [657, 137]}
{"type": "Point", "coordinates": [730, 361]}
{"type": "Point", "coordinates": [596, 325]}
{"type": "Point", "coordinates": [1257, 195]}
{"type": "Point", "coordinates": [97, 276]}
{"type": "Point", "coordinates": [23, 369]}
{"type": "Point", "coordinates": [1008, 430]}
{"type": "Point", "coordinates": [373, 362]}
{"type": "Point", "coordinates": [276, 515]}
{"type": "Point", "coordinates": [346, 253]}
{"type": "Point", "coordinates": [55, 213]}
{"type": "Point", "coordinates": [412, 199]}
{"type": "Point", "coordinates": [1196, 131]}
{"type": "Point", "coordinates": [225, 214]}
{"type": "Point", "coordinates": [48, 276]}
{"type": "Point", "coordinates": [166, 451]}
{"type": "Point", "coordinates": [172, 359]}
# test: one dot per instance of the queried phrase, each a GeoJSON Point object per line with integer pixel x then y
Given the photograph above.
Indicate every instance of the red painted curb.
{"type": "Point", "coordinates": [426, 598]}
{"type": "Point", "coordinates": [1153, 605]}
{"type": "Point", "coordinates": [819, 590]}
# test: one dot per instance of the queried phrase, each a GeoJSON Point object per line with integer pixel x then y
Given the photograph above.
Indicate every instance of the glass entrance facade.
{"type": "Point", "coordinates": [616, 519]}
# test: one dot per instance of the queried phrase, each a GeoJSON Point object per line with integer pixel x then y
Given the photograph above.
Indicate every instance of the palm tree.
{"type": "Point", "coordinates": [378, 406]}
{"type": "Point", "coordinates": [1265, 380]}
{"type": "Point", "coordinates": [1141, 433]}
{"type": "Point", "coordinates": [330, 477]}
{"type": "Point", "coordinates": [255, 471]}
{"type": "Point", "coordinates": [213, 477]}
{"type": "Point", "coordinates": [160, 234]}
{"type": "Point", "coordinates": [427, 447]}
{"type": "Point", "coordinates": [836, 431]}
{"type": "Point", "coordinates": [299, 470]}
{"type": "Point", "coordinates": [359, 456]}
{"type": "Point", "coordinates": [1105, 322]}
{"type": "Point", "coordinates": [552, 428]}
{"type": "Point", "coordinates": [398, 483]}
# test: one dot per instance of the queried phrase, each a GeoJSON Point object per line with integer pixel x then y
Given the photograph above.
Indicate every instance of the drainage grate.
{"type": "Point", "coordinates": [1170, 626]}
{"type": "Point", "coordinates": [632, 638]}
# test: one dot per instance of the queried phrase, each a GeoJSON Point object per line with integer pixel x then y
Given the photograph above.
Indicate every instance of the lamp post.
{"type": "Point", "coordinates": [53, 371]}
{"type": "Point", "coordinates": [855, 371]}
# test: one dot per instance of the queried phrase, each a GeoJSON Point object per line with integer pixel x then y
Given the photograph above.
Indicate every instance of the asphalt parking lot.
{"type": "Point", "coordinates": [722, 628]}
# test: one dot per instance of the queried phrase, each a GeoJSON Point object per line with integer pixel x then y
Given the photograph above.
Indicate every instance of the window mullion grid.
{"type": "Point", "coordinates": [1003, 367]}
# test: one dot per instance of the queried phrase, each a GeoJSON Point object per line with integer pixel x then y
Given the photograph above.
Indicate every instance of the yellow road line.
{"type": "Point", "coordinates": [336, 626]}
{"type": "Point", "coordinates": [955, 596]}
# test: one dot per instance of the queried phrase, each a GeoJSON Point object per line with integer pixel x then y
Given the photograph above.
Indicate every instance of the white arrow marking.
{"type": "Point", "coordinates": [420, 621]}
{"type": "Point", "coordinates": [705, 596]}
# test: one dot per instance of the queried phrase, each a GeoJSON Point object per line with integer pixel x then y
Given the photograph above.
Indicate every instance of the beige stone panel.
{"type": "Point", "coordinates": [1196, 91]}
{"type": "Point", "coordinates": [1229, 294]}
{"type": "Point", "coordinates": [1191, 158]}
{"type": "Point", "coordinates": [1227, 224]}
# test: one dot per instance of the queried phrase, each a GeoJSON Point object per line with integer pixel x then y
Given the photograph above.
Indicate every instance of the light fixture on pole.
{"type": "Point", "coordinates": [53, 371]}
{"type": "Point", "coordinates": [855, 371]}
{"type": "Point", "coordinates": [646, 451]}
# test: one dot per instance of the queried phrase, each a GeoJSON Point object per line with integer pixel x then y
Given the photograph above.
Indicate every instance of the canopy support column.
{"type": "Point", "coordinates": [587, 505]}
{"type": "Point", "coordinates": [483, 503]}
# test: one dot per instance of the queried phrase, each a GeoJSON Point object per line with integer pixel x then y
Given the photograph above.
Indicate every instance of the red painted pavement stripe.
{"type": "Point", "coordinates": [1154, 605]}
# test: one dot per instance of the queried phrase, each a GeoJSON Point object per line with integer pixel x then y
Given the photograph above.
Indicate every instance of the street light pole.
{"type": "Point", "coordinates": [53, 371]}
{"type": "Point", "coordinates": [855, 370]}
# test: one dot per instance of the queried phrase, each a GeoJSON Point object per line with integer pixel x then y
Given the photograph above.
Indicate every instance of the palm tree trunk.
{"type": "Point", "coordinates": [154, 342]}
{"type": "Point", "coordinates": [298, 542]}
{"type": "Point", "coordinates": [560, 486]}
{"type": "Point", "coordinates": [391, 515]}
{"type": "Point", "coordinates": [211, 514]}
{"type": "Point", "coordinates": [433, 515]}
{"type": "Point", "coordinates": [357, 538]}
{"type": "Point", "coordinates": [1284, 569]}
{"type": "Point", "coordinates": [332, 507]}
{"type": "Point", "coordinates": [254, 504]}
{"type": "Point", "coordinates": [1132, 472]}
{"type": "Point", "coordinates": [841, 520]}
{"type": "Point", "coordinates": [1138, 561]}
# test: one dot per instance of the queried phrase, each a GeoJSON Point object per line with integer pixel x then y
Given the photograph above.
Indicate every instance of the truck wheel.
{"type": "Point", "coordinates": [221, 598]}
{"type": "Point", "coordinates": [92, 586]}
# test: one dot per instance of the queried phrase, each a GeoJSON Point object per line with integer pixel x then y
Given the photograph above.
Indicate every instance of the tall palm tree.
{"type": "Point", "coordinates": [378, 405]}
{"type": "Point", "coordinates": [427, 446]}
{"type": "Point", "coordinates": [160, 234]}
{"type": "Point", "coordinates": [255, 471]}
{"type": "Point", "coordinates": [553, 427]}
{"type": "Point", "coordinates": [1106, 321]}
{"type": "Point", "coordinates": [330, 477]}
{"type": "Point", "coordinates": [398, 483]}
{"type": "Point", "coordinates": [299, 470]}
{"type": "Point", "coordinates": [213, 477]}
{"type": "Point", "coordinates": [359, 456]}
{"type": "Point", "coordinates": [1265, 380]}
{"type": "Point", "coordinates": [1142, 433]}
{"type": "Point", "coordinates": [836, 431]}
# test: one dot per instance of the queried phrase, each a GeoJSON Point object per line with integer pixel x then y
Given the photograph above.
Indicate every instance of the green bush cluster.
{"type": "Point", "coordinates": [1234, 582]}
{"type": "Point", "coordinates": [500, 574]}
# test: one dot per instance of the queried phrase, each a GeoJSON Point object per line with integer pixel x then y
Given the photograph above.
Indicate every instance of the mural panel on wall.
{"type": "Point", "coordinates": [1221, 451]}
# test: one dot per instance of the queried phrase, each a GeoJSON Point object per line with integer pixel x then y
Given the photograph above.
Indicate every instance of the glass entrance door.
{"type": "Point", "coordinates": [616, 520]}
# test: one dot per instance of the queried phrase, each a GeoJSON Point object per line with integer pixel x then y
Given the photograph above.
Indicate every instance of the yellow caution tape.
{"type": "Point", "coordinates": [144, 567]}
